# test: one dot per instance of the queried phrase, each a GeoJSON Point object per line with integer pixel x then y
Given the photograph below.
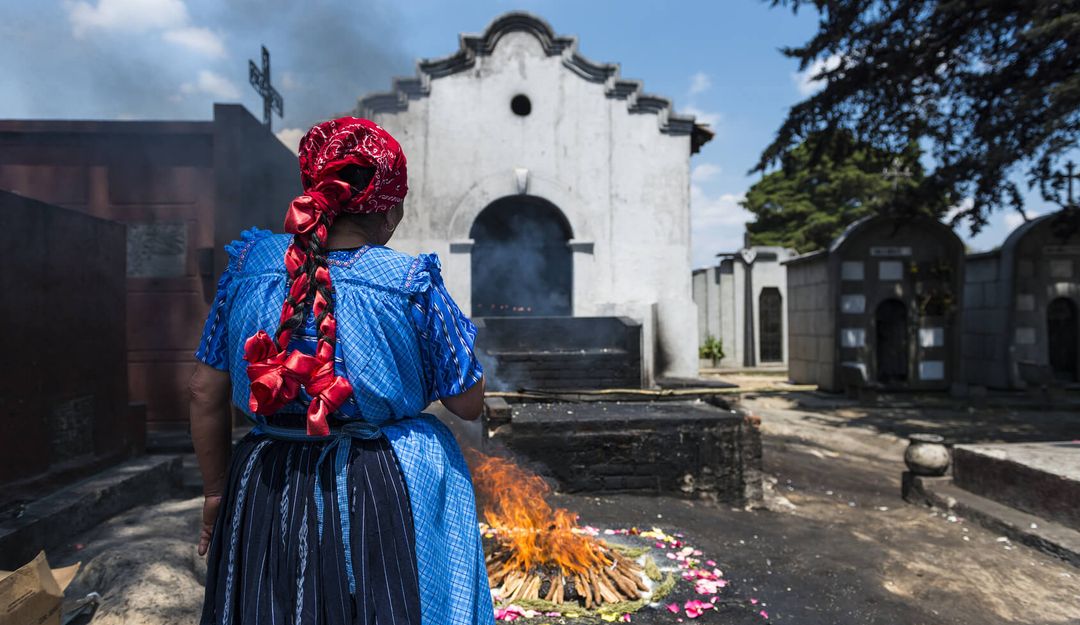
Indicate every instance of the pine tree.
{"type": "Point", "coordinates": [990, 88]}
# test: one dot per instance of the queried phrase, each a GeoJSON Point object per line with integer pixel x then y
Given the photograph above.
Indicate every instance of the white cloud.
{"type": "Point", "coordinates": [703, 172]}
{"type": "Point", "coordinates": [717, 224]}
{"type": "Point", "coordinates": [804, 80]}
{"type": "Point", "coordinates": [201, 40]}
{"type": "Point", "coordinates": [127, 15]}
{"type": "Point", "coordinates": [700, 82]}
{"type": "Point", "coordinates": [965, 204]}
{"type": "Point", "coordinates": [212, 84]}
{"type": "Point", "coordinates": [1013, 219]}
{"type": "Point", "coordinates": [289, 81]}
{"type": "Point", "coordinates": [290, 137]}
{"type": "Point", "coordinates": [703, 117]}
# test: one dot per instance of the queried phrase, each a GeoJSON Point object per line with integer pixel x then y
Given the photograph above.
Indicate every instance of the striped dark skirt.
{"type": "Point", "coordinates": [267, 564]}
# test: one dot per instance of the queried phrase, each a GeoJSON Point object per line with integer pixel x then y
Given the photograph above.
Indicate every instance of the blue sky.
{"type": "Point", "coordinates": [171, 59]}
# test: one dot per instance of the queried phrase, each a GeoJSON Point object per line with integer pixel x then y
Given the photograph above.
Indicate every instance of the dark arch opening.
{"type": "Point", "coordinates": [771, 324]}
{"type": "Point", "coordinates": [521, 261]}
{"type": "Point", "coordinates": [891, 341]}
{"type": "Point", "coordinates": [1063, 338]}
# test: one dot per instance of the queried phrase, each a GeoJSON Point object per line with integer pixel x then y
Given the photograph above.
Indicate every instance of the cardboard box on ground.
{"type": "Point", "coordinates": [32, 594]}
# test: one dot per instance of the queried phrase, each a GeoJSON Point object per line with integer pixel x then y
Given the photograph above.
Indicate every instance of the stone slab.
{"type": "Point", "coordinates": [1016, 525]}
{"type": "Point", "coordinates": [49, 522]}
{"type": "Point", "coordinates": [1039, 478]}
{"type": "Point", "coordinates": [689, 449]}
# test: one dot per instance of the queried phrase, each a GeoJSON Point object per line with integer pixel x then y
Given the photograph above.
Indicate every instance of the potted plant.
{"type": "Point", "coordinates": [712, 349]}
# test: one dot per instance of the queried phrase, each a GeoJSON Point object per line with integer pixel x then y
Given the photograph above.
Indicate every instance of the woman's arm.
{"type": "Point", "coordinates": [467, 405]}
{"type": "Point", "coordinates": [211, 435]}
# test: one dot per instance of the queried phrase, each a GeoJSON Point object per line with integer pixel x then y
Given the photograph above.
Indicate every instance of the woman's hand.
{"type": "Point", "coordinates": [211, 504]}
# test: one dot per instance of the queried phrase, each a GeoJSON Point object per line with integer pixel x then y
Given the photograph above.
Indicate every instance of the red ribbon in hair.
{"type": "Point", "coordinates": [275, 375]}
{"type": "Point", "coordinates": [326, 198]}
{"type": "Point", "coordinates": [328, 392]}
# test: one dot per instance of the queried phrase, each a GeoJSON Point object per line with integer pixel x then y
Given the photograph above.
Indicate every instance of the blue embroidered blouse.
{"type": "Point", "coordinates": [402, 343]}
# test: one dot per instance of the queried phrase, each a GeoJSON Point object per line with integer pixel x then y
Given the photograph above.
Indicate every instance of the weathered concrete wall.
{"type": "Point", "coordinates": [64, 388]}
{"type": "Point", "coordinates": [706, 290]}
{"type": "Point", "coordinates": [986, 340]}
{"type": "Point", "coordinates": [695, 451]}
{"type": "Point", "coordinates": [621, 182]}
{"type": "Point", "coordinates": [811, 322]}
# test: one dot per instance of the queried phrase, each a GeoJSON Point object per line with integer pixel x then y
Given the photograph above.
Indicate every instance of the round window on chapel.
{"type": "Point", "coordinates": [520, 105]}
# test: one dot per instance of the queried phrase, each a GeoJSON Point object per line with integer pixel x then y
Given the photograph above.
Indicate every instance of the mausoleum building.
{"type": "Point", "coordinates": [183, 189]}
{"type": "Point", "coordinates": [881, 307]}
{"type": "Point", "coordinates": [1021, 305]}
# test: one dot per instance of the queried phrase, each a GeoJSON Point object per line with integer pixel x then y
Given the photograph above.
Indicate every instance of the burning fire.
{"type": "Point", "coordinates": [513, 503]}
{"type": "Point", "coordinates": [540, 553]}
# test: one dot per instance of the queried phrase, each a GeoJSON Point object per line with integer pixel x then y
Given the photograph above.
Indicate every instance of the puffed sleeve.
{"type": "Point", "coordinates": [213, 344]}
{"type": "Point", "coordinates": [447, 336]}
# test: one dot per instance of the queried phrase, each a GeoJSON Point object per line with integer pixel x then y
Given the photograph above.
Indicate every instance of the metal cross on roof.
{"type": "Point", "coordinates": [1070, 175]}
{"type": "Point", "coordinates": [260, 79]}
{"type": "Point", "coordinates": [895, 173]}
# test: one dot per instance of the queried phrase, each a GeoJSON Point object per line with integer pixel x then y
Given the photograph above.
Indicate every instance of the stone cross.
{"type": "Point", "coordinates": [260, 79]}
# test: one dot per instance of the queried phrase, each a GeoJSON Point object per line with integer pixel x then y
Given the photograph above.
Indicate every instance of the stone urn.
{"type": "Point", "coordinates": [926, 454]}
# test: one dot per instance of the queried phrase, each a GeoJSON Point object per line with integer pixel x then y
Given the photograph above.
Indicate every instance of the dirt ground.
{"type": "Point", "coordinates": [835, 545]}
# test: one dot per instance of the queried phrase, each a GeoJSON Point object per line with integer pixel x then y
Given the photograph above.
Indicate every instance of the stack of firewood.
{"type": "Point", "coordinates": [620, 579]}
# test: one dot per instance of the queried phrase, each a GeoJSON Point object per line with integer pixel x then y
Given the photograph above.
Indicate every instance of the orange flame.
{"type": "Point", "coordinates": [512, 501]}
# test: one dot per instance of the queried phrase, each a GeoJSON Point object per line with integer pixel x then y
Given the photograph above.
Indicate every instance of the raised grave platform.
{"type": "Point", "coordinates": [1039, 478]}
{"type": "Point", "coordinates": [689, 449]}
{"type": "Point", "coordinates": [560, 352]}
{"type": "Point", "coordinates": [1028, 492]}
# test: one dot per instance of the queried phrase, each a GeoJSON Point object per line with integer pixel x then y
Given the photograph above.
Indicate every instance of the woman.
{"type": "Point", "coordinates": [345, 504]}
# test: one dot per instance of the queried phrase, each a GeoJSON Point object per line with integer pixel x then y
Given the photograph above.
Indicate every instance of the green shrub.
{"type": "Point", "coordinates": [713, 349]}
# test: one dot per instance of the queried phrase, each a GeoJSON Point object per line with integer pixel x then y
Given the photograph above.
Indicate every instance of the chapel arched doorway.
{"type": "Point", "coordinates": [891, 341]}
{"type": "Point", "coordinates": [1062, 330]}
{"type": "Point", "coordinates": [522, 264]}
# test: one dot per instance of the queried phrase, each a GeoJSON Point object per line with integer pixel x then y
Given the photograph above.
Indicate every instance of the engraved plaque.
{"type": "Point", "coordinates": [72, 427]}
{"type": "Point", "coordinates": [157, 250]}
{"type": "Point", "coordinates": [897, 250]}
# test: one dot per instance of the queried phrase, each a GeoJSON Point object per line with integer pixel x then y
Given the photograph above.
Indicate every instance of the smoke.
{"type": "Point", "coordinates": [171, 59]}
{"type": "Point", "coordinates": [521, 265]}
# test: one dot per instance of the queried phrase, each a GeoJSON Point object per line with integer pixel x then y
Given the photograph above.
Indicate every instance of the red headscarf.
{"type": "Point", "coordinates": [333, 145]}
{"type": "Point", "coordinates": [277, 375]}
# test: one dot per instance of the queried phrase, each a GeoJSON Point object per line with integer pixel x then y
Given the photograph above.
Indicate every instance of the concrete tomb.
{"type": "Point", "coordinates": [1022, 307]}
{"type": "Point", "coordinates": [880, 308]}
{"type": "Point", "coordinates": [742, 301]}
{"type": "Point", "coordinates": [689, 449]}
{"type": "Point", "coordinates": [184, 189]}
{"type": "Point", "coordinates": [65, 390]}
